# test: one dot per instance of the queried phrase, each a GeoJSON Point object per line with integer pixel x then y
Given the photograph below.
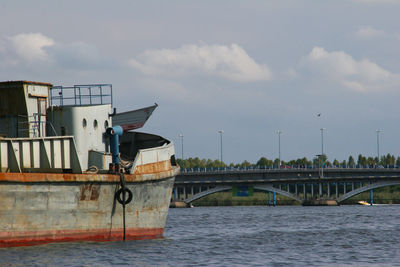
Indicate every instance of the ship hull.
{"type": "Point", "coordinates": [53, 209]}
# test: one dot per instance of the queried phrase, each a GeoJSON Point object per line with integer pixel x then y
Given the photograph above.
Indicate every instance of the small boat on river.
{"type": "Point", "coordinates": [71, 168]}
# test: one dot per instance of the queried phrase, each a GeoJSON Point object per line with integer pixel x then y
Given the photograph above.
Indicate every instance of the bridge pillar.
{"type": "Point", "coordinates": [352, 186]}
{"type": "Point", "coordinates": [175, 193]}
{"type": "Point", "coordinates": [192, 191]}
{"type": "Point", "coordinates": [295, 189]}
{"type": "Point", "coordinates": [337, 189]}
{"type": "Point", "coordinates": [344, 187]}
{"type": "Point", "coordinates": [184, 193]}
{"type": "Point", "coordinates": [274, 199]}
{"type": "Point", "coordinates": [329, 190]}
{"type": "Point", "coordinates": [371, 196]}
{"type": "Point", "coordinates": [269, 198]}
{"type": "Point", "coordinates": [312, 190]}
{"type": "Point", "coordinates": [320, 189]}
{"type": "Point", "coordinates": [304, 191]}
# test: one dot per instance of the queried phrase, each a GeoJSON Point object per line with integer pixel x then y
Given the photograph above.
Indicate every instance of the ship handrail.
{"type": "Point", "coordinates": [35, 125]}
{"type": "Point", "coordinates": [81, 95]}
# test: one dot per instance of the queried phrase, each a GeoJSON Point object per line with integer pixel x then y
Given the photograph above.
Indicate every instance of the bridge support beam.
{"type": "Point", "coordinates": [337, 189]}
{"type": "Point", "coordinates": [320, 189]}
{"type": "Point", "coordinates": [371, 196]}
{"type": "Point", "coordinates": [269, 198]}
{"type": "Point", "coordinates": [329, 190]}
{"type": "Point", "coordinates": [312, 190]}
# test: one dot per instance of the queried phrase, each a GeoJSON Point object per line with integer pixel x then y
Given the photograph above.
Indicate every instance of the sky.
{"type": "Point", "coordinates": [249, 68]}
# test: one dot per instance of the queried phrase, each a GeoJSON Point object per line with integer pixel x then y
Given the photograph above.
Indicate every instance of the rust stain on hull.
{"type": "Point", "coordinates": [143, 173]}
{"type": "Point", "coordinates": [89, 192]}
{"type": "Point", "coordinates": [100, 235]}
{"type": "Point", "coordinates": [43, 211]}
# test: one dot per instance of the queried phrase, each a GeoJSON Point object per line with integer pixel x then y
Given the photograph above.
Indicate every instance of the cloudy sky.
{"type": "Point", "coordinates": [249, 68]}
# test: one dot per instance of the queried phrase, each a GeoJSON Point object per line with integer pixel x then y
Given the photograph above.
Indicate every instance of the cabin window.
{"type": "Point", "coordinates": [106, 125]}
{"type": "Point", "coordinates": [173, 161]}
{"type": "Point", "coordinates": [84, 123]}
{"type": "Point", "coordinates": [95, 124]}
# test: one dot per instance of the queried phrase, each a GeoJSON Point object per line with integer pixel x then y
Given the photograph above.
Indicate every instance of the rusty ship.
{"type": "Point", "coordinates": [73, 169]}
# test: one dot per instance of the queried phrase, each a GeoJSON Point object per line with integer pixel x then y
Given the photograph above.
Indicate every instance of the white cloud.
{"type": "Point", "coordinates": [35, 50]}
{"type": "Point", "coordinates": [368, 32]}
{"type": "Point", "coordinates": [363, 75]}
{"type": "Point", "coordinates": [229, 62]}
{"type": "Point", "coordinates": [30, 46]}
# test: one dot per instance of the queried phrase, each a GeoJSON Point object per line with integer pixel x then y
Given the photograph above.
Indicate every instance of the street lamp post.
{"type": "Point", "coordinates": [322, 152]}
{"type": "Point", "coordinates": [279, 132]}
{"type": "Point", "coordinates": [181, 136]}
{"type": "Point", "coordinates": [221, 132]}
{"type": "Point", "coordinates": [322, 141]}
{"type": "Point", "coordinates": [377, 143]}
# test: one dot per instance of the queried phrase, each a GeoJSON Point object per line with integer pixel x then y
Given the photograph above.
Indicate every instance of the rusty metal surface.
{"type": "Point", "coordinates": [95, 177]}
{"type": "Point", "coordinates": [48, 212]}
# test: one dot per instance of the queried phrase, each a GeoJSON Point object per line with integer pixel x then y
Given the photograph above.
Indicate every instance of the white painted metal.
{"type": "Point", "coordinates": [50, 154]}
{"type": "Point", "coordinates": [86, 124]}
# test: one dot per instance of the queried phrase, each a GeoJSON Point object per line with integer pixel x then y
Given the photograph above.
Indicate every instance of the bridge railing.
{"type": "Point", "coordinates": [286, 168]}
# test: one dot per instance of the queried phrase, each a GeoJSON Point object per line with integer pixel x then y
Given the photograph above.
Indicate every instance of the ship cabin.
{"type": "Point", "coordinates": [46, 128]}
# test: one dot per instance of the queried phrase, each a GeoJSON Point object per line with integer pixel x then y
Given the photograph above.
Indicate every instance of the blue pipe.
{"type": "Point", "coordinates": [114, 133]}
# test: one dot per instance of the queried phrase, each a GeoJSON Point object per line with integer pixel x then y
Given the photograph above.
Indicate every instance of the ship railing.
{"type": "Point", "coordinates": [285, 168]}
{"type": "Point", "coordinates": [81, 95]}
{"type": "Point", "coordinates": [33, 125]}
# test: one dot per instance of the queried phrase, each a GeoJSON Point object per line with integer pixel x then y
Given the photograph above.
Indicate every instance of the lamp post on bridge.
{"type": "Point", "coordinates": [377, 143]}
{"type": "Point", "coordinates": [181, 136]}
{"type": "Point", "coordinates": [322, 151]}
{"type": "Point", "coordinates": [221, 132]}
{"type": "Point", "coordinates": [279, 132]}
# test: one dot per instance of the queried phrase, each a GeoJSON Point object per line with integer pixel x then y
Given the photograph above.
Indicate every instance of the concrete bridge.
{"type": "Point", "coordinates": [301, 184]}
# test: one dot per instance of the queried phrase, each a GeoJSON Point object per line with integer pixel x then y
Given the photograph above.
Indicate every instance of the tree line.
{"type": "Point", "coordinates": [385, 160]}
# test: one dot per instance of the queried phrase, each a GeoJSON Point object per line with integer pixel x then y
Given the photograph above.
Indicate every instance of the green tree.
{"type": "Point", "coordinates": [336, 162]}
{"type": "Point", "coordinates": [351, 161]}
{"type": "Point", "coordinates": [263, 161]}
{"type": "Point", "coordinates": [361, 160]}
{"type": "Point", "coordinates": [276, 163]}
{"type": "Point", "coordinates": [245, 164]}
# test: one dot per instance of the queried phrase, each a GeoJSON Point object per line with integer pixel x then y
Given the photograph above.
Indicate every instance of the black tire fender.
{"type": "Point", "coordinates": [119, 195]}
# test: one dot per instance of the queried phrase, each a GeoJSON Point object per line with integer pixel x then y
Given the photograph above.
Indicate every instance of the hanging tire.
{"type": "Point", "coordinates": [119, 195]}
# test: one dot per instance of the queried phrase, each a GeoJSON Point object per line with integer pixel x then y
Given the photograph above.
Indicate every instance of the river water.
{"type": "Point", "coordinates": [242, 236]}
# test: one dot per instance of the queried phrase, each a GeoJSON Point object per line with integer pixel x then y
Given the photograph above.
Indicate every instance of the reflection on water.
{"type": "Point", "coordinates": [257, 236]}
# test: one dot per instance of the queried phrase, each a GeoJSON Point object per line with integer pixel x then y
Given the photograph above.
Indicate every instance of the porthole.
{"type": "Point", "coordinates": [95, 124]}
{"type": "Point", "coordinates": [106, 125]}
{"type": "Point", "coordinates": [84, 123]}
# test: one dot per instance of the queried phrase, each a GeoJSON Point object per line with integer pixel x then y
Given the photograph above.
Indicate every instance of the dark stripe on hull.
{"type": "Point", "coordinates": [99, 235]}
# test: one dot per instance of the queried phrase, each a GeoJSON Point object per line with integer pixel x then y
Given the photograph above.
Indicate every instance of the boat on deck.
{"type": "Point", "coordinates": [73, 169]}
